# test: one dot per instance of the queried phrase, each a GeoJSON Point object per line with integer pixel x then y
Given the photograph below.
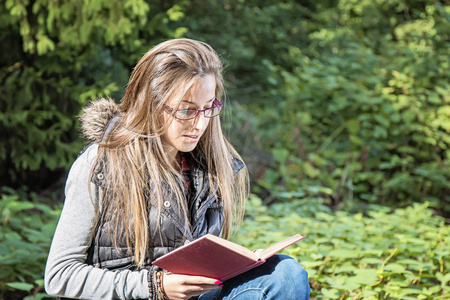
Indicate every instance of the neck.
{"type": "Point", "coordinates": [174, 157]}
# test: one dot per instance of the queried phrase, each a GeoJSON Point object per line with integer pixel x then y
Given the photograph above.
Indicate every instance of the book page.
{"type": "Point", "coordinates": [235, 247]}
{"type": "Point", "coordinates": [275, 248]}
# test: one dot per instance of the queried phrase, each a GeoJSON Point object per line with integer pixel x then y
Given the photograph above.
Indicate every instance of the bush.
{"type": "Point", "coordinates": [399, 254]}
{"type": "Point", "coordinates": [56, 59]}
{"type": "Point", "coordinates": [26, 231]}
{"type": "Point", "coordinates": [359, 109]}
{"type": "Point", "coordinates": [382, 254]}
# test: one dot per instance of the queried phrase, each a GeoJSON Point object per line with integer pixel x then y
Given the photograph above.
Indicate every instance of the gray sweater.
{"type": "Point", "coordinates": [66, 273]}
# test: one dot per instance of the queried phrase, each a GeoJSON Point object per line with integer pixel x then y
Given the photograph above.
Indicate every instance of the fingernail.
{"type": "Point", "coordinates": [218, 282]}
{"type": "Point", "coordinates": [220, 285]}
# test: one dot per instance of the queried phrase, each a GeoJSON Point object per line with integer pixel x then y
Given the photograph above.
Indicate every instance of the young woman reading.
{"type": "Point", "coordinates": [157, 174]}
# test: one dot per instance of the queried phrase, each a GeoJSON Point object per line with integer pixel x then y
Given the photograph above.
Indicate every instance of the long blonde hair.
{"type": "Point", "coordinates": [134, 153]}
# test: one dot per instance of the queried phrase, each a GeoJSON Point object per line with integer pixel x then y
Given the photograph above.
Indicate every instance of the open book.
{"type": "Point", "coordinates": [214, 257]}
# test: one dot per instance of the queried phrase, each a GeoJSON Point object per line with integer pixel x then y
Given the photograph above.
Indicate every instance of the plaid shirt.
{"type": "Point", "coordinates": [186, 173]}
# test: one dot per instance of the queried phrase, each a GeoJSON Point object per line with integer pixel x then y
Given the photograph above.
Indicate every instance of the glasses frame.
{"type": "Point", "coordinates": [172, 111]}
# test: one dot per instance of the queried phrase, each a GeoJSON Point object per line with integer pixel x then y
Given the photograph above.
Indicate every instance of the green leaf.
{"type": "Point", "coordinates": [353, 126]}
{"type": "Point", "coordinates": [330, 293]}
{"type": "Point", "coordinates": [310, 170]}
{"type": "Point", "coordinates": [344, 253]}
{"type": "Point", "coordinates": [446, 278]}
{"type": "Point", "coordinates": [20, 286]}
{"type": "Point", "coordinates": [44, 45]}
{"type": "Point", "coordinates": [397, 268]}
{"type": "Point", "coordinates": [382, 120]}
{"type": "Point", "coordinates": [347, 287]}
{"type": "Point", "coordinates": [280, 155]}
{"type": "Point", "coordinates": [443, 278]}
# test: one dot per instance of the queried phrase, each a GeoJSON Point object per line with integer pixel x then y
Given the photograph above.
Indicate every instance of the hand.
{"type": "Point", "coordinates": [181, 287]}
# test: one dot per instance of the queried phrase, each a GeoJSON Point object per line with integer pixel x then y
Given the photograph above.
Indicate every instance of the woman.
{"type": "Point", "coordinates": [158, 174]}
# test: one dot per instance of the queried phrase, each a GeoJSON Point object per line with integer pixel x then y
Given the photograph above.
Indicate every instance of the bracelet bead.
{"type": "Point", "coordinates": [151, 286]}
{"type": "Point", "coordinates": [160, 285]}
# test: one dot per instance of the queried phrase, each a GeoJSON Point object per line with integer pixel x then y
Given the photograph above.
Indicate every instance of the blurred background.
{"type": "Point", "coordinates": [341, 109]}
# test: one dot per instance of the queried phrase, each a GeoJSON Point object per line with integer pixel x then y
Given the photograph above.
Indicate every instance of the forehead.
{"type": "Point", "coordinates": [203, 85]}
{"type": "Point", "coordinates": [201, 92]}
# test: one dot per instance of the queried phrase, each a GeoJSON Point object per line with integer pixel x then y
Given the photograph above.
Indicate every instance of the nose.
{"type": "Point", "coordinates": [200, 122]}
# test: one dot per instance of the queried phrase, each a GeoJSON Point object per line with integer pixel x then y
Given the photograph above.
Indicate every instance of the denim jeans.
{"type": "Point", "coordinates": [280, 277]}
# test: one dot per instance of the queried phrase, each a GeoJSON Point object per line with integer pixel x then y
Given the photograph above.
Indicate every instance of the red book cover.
{"type": "Point", "coordinates": [217, 258]}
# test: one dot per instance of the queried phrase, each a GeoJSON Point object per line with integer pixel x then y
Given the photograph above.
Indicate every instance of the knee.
{"type": "Point", "coordinates": [292, 276]}
{"type": "Point", "coordinates": [280, 277]}
{"type": "Point", "coordinates": [287, 266]}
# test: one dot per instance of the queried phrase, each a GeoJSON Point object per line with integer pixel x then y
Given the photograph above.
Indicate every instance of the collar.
{"type": "Point", "coordinates": [184, 163]}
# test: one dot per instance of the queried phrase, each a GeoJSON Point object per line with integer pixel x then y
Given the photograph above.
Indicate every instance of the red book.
{"type": "Point", "coordinates": [217, 258]}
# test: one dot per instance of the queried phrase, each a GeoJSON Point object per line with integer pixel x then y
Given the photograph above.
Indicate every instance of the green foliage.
{"type": "Point", "coordinates": [400, 254]}
{"type": "Point", "coordinates": [342, 101]}
{"type": "Point", "coordinates": [347, 99]}
{"type": "Point", "coordinates": [27, 228]}
{"type": "Point", "coordinates": [56, 56]}
{"type": "Point", "coordinates": [383, 254]}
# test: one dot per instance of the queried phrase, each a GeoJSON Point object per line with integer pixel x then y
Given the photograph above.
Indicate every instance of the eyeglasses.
{"type": "Point", "coordinates": [189, 114]}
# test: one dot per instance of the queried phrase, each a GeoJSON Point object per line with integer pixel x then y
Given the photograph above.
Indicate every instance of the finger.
{"type": "Point", "coordinates": [199, 280]}
{"type": "Point", "coordinates": [187, 292]}
{"type": "Point", "coordinates": [203, 289]}
{"type": "Point", "coordinates": [181, 286]}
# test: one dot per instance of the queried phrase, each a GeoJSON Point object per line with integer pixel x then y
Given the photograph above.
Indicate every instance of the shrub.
{"type": "Point", "coordinates": [54, 60]}
{"type": "Point", "coordinates": [360, 111]}
{"type": "Point", "coordinates": [398, 254]}
{"type": "Point", "coordinates": [382, 254]}
{"type": "Point", "coordinates": [26, 230]}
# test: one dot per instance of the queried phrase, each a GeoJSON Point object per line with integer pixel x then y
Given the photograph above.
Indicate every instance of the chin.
{"type": "Point", "coordinates": [187, 148]}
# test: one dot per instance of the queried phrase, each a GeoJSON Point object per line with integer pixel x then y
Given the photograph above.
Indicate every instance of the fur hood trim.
{"type": "Point", "coordinates": [95, 118]}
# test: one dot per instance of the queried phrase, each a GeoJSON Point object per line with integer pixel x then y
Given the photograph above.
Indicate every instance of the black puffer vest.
{"type": "Point", "coordinates": [205, 211]}
{"type": "Point", "coordinates": [205, 217]}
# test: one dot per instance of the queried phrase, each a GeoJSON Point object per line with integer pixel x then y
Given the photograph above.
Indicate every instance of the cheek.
{"type": "Point", "coordinates": [175, 128]}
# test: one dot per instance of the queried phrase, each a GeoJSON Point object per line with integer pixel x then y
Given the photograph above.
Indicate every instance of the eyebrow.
{"type": "Point", "coordinates": [190, 102]}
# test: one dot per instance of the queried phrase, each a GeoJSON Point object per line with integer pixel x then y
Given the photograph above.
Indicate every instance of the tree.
{"type": "Point", "coordinates": [56, 56]}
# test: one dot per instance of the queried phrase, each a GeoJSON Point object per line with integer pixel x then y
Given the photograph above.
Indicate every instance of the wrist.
{"type": "Point", "coordinates": [160, 285]}
{"type": "Point", "coordinates": [151, 284]}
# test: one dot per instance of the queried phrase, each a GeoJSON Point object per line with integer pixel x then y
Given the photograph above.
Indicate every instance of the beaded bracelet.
{"type": "Point", "coordinates": [160, 286]}
{"type": "Point", "coordinates": [151, 286]}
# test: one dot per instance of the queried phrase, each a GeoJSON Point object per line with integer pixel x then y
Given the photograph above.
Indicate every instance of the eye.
{"type": "Point", "coordinates": [184, 112]}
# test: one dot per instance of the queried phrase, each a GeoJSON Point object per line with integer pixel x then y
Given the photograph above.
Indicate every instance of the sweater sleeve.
{"type": "Point", "coordinates": [66, 273]}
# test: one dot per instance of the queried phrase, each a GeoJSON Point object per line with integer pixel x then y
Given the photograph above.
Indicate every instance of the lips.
{"type": "Point", "coordinates": [192, 137]}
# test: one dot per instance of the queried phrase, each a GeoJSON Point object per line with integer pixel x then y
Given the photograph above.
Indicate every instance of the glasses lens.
{"type": "Point", "coordinates": [186, 114]}
{"type": "Point", "coordinates": [212, 112]}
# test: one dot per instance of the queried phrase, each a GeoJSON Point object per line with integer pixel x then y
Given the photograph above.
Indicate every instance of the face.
{"type": "Point", "coordinates": [183, 135]}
